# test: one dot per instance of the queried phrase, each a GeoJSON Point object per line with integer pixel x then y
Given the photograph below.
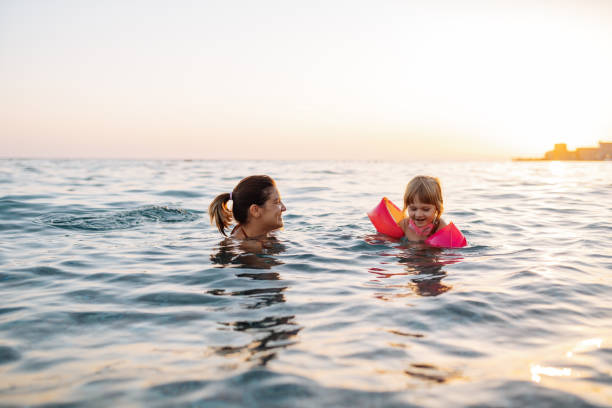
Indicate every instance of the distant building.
{"type": "Point", "coordinates": [587, 153]}
{"type": "Point", "coordinates": [605, 150]}
{"type": "Point", "coordinates": [560, 152]}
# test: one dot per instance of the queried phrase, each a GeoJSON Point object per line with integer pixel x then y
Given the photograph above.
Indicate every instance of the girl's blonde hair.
{"type": "Point", "coordinates": [428, 190]}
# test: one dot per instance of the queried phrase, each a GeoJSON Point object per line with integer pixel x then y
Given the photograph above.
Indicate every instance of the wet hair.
{"type": "Point", "coordinates": [428, 190]}
{"type": "Point", "coordinates": [250, 190]}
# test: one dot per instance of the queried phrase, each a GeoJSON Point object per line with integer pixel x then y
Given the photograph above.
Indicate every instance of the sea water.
{"type": "Point", "coordinates": [116, 290]}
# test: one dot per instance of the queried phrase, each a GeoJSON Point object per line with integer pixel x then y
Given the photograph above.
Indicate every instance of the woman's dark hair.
{"type": "Point", "coordinates": [250, 190]}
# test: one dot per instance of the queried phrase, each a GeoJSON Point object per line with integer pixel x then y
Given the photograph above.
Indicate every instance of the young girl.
{"type": "Point", "coordinates": [256, 206]}
{"type": "Point", "coordinates": [423, 200]}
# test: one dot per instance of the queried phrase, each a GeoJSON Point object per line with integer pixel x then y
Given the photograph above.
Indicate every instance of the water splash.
{"type": "Point", "coordinates": [116, 220]}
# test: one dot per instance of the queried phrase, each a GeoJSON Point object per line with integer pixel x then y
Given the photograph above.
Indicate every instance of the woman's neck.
{"type": "Point", "coordinates": [252, 231]}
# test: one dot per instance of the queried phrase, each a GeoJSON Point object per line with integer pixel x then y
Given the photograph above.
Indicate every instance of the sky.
{"type": "Point", "coordinates": [366, 80]}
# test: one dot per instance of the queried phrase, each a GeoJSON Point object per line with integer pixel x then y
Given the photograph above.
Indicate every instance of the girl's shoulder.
{"type": "Point", "coordinates": [441, 224]}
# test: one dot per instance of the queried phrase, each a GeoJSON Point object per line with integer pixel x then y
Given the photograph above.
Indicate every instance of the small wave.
{"type": "Point", "coordinates": [106, 221]}
{"type": "Point", "coordinates": [180, 193]}
{"type": "Point", "coordinates": [309, 189]}
{"type": "Point", "coordinates": [178, 388]}
{"type": "Point", "coordinates": [17, 197]}
{"type": "Point", "coordinates": [330, 172]}
{"type": "Point", "coordinates": [177, 299]}
{"type": "Point", "coordinates": [107, 317]}
{"type": "Point", "coordinates": [8, 355]}
{"type": "Point", "coordinates": [7, 310]}
{"type": "Point", "coordinates": [10, 209]}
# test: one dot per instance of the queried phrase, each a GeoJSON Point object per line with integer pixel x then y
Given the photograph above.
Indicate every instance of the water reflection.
{"type": "Point", "coordinates": [431, 373]}
{"type": "Point", "coordinates": [269, 335]}
{"type": "Point", "coordinates": [261, 289]}
{"type": "Point", "coordinates": [571, 364]}
{"type": "Point", "coordinates": [408, 270]}
{"type": "Point", "coordinates": [537, 371]}
{"type": "Point", "coordinates": [424, 266]}
{"type": "Point", "coordinates": [247, 254]}
{"type": "Point", "coordinates": [261, 296]}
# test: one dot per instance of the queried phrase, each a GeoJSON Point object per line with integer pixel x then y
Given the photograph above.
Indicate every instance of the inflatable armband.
{"type": "Point", "coordinates": [447, 237]}
{"type": "Point", "coordinates": [385, 217]}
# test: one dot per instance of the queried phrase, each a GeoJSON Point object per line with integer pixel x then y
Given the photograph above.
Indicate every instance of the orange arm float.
{"type": "Point", "coordinates": [385, 217]}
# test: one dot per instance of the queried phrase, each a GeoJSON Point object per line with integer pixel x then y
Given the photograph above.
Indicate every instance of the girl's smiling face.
{"type": "Point", "coordinates": [421, 213]}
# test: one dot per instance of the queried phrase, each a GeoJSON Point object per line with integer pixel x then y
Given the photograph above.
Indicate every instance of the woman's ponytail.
{"type": "Point", "coordinates": [219, 213]}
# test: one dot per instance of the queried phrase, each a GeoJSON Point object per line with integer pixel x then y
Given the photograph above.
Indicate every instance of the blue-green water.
{"type": "Point", "coordinates": [116, 291]}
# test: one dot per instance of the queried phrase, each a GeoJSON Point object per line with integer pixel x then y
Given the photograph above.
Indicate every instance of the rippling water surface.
{"type": "Point", "coordinates": [117, 291]}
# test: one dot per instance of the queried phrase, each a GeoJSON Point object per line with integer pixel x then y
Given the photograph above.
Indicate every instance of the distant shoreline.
{"type": "Point", "coordinates": [550, 160]}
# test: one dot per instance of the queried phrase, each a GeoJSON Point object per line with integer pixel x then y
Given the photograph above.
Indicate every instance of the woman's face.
{"type": "Point", "coordinates": [422, 214]}
{"type": "Point", "coordinates": [272, 210]}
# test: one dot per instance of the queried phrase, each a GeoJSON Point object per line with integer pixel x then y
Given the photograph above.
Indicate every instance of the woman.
{"type": "Point", "coordinates": [255, 205]}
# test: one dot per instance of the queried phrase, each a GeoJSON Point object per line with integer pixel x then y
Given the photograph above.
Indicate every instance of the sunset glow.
{"type": "Point", "coordinates": [289, 80]}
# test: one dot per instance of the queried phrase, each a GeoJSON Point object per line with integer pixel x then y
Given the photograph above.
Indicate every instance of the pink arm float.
{"type": "Point", "coordinates": [386, 216]}
{"type": "Point", "coordinates": [447, 237]}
